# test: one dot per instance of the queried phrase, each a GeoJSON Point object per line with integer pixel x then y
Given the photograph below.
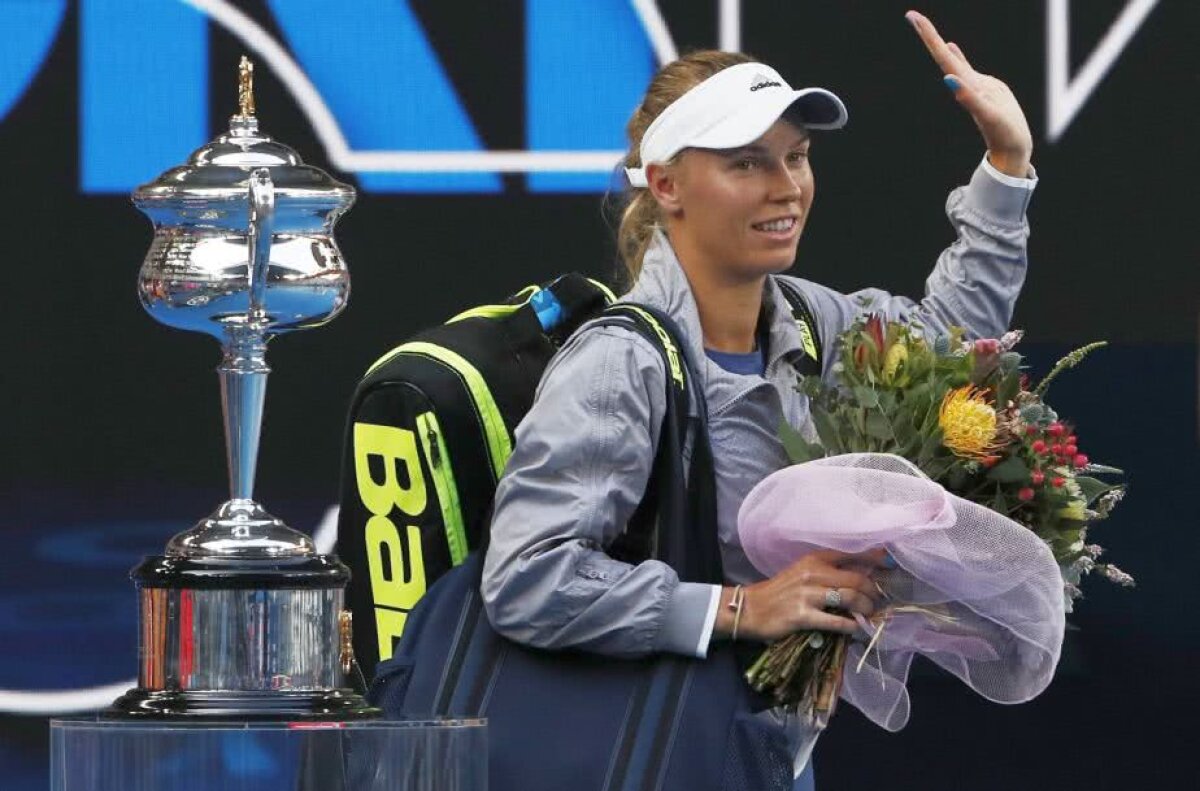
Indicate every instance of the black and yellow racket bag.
{"type": "Point", "coordinates": [429, 431]}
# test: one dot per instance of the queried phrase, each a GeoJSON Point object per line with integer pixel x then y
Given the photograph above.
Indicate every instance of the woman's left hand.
{"type": "Point", "coordinates": [991, 104]}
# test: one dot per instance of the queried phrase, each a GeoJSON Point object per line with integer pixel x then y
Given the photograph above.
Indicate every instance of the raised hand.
{"type": "Point", "coordinates": [990, 102]}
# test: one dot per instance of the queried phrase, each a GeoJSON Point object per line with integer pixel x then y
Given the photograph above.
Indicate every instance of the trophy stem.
{"type": "Point", "coordinates": [243, 373]}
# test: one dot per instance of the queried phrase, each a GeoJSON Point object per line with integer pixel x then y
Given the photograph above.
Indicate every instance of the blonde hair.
{"type": "Point", "coordinates": [640, 216]}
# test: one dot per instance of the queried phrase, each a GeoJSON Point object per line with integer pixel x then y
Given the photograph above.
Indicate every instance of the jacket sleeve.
{"type": "Point", "coordinates": [579, 467]}
{"type": "Point", "coordinates": [976, 280]}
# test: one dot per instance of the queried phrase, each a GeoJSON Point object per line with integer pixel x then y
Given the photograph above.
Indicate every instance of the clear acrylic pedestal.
{"type": "Point", "coordinates": [98, 754]}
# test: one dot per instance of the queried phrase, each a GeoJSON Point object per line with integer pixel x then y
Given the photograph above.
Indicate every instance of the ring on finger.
{"type": "Point", "coordinates": [833, 599]}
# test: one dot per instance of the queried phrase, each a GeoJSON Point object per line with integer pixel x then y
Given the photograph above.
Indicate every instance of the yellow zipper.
{"type": "Point", "coordinates": [443, 482]}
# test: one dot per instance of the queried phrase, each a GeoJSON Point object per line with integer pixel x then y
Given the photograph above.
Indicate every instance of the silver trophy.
{"type": "Point", "coordinates": [241, 617]}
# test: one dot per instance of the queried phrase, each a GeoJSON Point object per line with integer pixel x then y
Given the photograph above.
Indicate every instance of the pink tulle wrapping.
{"type": "Point", "coordinates": [997, 580]}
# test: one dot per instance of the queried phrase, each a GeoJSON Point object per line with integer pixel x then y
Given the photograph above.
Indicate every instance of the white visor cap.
{"type": "Point", "coordinates": [733, 108]}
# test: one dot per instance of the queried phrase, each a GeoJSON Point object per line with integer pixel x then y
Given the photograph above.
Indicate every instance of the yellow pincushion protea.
{"type": "Point", "coordinates": [968, 423]}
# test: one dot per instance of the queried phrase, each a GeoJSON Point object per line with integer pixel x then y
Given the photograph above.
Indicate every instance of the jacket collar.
{"type": "Point", "coordinates": [664, 285]}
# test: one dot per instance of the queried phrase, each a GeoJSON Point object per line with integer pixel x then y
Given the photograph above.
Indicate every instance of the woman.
{"type": "Point", "coordinates": [722, 188]}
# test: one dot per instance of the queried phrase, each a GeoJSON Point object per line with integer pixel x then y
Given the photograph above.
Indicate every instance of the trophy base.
{"type": "Point", "coordinates": [197, 705]}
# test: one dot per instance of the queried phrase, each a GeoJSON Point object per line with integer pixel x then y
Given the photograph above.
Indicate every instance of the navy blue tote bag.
{"type": "Point", "coordinates": [585, 722]}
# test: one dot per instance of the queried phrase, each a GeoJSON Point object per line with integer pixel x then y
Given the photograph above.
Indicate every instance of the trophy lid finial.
{"type": "Point", "coordinates": [246, 88]}
{"type": "Point", "coordinates": [217, 171]}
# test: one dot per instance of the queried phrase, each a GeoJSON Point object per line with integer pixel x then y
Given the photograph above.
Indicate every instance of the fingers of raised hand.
{"type": "Point", "coordinates": [938, 49]}
{"type": "Point", "coordinates": [963, 65]}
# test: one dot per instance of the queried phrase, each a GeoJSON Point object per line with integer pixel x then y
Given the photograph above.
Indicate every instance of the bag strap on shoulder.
{"type": "Point", "coordinates": [676, 522]}
{"type": "Point", "coordinates": [812, 362]}
{"type": "Point", "coordinates": [580, 295]}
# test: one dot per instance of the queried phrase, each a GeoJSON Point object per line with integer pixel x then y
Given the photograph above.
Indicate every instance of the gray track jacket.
{"type": "Point", "coordinates": [583, 453]}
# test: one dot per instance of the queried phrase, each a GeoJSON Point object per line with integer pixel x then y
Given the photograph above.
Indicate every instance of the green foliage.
{"type": "Point", "coordinates": [1011, 470]}
{"type": "Point", "coordinates": [1093, 488]}
{"type": "Point", "coordinates": [799, 450]}
{"type": "Point", "coordinates": [1070, 361]}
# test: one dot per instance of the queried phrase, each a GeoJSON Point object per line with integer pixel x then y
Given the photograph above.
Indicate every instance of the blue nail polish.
{"type": "Point", "coordinates": [889, 562]}
{"type": "Point", "coordinates": [951, 83]}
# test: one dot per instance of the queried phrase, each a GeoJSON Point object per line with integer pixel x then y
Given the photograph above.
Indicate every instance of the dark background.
{"type": "Point", "coordinates": [112, 438]}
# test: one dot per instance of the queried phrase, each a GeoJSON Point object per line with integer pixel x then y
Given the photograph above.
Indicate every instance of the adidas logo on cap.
{"type": "Point", "coordinates": [761, 81]}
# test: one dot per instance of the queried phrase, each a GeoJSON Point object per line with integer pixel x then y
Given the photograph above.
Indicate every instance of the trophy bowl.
{"type": "Point", "coordinates": [195, 275]}
{"type": "Point", "coordinates": [241, 617]}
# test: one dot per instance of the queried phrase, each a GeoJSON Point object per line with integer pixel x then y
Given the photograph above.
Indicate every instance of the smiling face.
{"type": "Point", "coordinates": [738, 213]}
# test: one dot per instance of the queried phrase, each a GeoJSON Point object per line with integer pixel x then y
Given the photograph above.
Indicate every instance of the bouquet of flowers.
{"type": "Point", "coordinates": [942, 452]}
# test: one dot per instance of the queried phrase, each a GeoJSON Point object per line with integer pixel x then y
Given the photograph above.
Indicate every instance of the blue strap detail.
{"type": "Point", "coordinates": [548, 309]}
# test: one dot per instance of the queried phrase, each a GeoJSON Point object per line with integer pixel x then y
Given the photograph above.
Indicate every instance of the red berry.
{"type": "Point", "coordinates": [1058, 483]}
{"type": "Point", "coordinates": [1025, 495]}
{"type": "Point", "coordinates": [989, 461]}
{"type": "Point", "coordinates": [1081, 460]}
{"type": "Point", "coordinates": [1071, 449]}
{"type": "Point", "coordinates": [1039, 446]}
{"type": "Point", "coordinates": [1037, 476]}
{"type": "Point", "coordinates": [1056, 449]}
{"type": "Point", "coordinates": [1031, 430]}
{"type": "Point", "coordinates": [1071, 440]}
{"type": "Point", "coordinates": [1056, 429]}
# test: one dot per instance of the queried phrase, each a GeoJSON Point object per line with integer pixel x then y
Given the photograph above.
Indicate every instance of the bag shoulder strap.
{"type": "Point", "coordinates": [812, 362]}
{"type": "Point", "coordinates": [676, 522]}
